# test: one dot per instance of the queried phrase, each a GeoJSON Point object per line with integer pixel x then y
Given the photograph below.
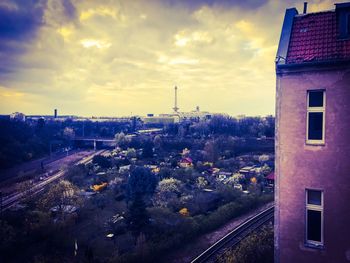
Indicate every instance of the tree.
{"type": "Point", "coordinates": [164, 173]}
{"type": "Point", "coordinates": [68, 133]}
{"type": "Point", "coordinates": [200, 128]}
{"type": "Point", "coordinates": [131, 153]}
{"type": "Point", "coordinates": [59, 196]}
{"type": "Point", "coordinates": [227, 192]}
{"type": "Point", "coordinates": [38, 223]}
{"type": "Point", "coordinates": [141, 182]}
{"type": "Point", "coordinates": [25, 187]}
{"type": "Point", "coordinates": [138, 216]}
{"type": "Point", "coordinates": [263, 158]}
{"type": "Point", "coordinates": [265, 170]}
{"type": "Point", "coordinates": [237, 178]}
{"type": "Point", "coordinates": [77, 174]}
{"type": "Point", "coordinates": [269, 129]}
{"type": "Point", "coordinates": [147, 150]}
{"type": "Point", "coordinates": [168, 191]}
{"type": "Point", "coordinates": [220, 124]}
{"type": "Point", "coordinates": [172, 128]}
{"type": "Point", "coordinates": [211, 151]}
{"type": "Point", "coordinates": [41, 123]}
{"type": "Point", "coordinates": [7, 235]}
{"type": "Point", "coordinates": [158, 142]}
{"type": "Point", "coordinates": [201, 182]}
{"type": "Point", "coordinates": [169, 185]}
{"type": "Point", "coordinates": [120, 139]}
{"type": "Point", "coordinates": [181, 132]}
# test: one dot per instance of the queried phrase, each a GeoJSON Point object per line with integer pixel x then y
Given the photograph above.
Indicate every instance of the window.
{"type": "Point", "coordinates": [314, 218]}
{"type": "Point", "coordinates": [316, 101]}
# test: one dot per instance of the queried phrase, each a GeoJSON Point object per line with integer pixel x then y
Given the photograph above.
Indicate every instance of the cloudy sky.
{"type": "Point", "coordinates": [122, 57]}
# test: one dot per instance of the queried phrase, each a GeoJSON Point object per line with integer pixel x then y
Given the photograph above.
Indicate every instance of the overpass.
{"type": "Point", "coordinates": [96, 143]}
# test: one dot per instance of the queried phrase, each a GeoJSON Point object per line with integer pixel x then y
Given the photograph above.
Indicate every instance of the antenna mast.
{"type": "Point", "coordinates": [175, 106]}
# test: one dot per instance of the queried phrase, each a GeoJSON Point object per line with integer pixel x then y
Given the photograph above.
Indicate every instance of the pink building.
{"type": "Point", "coordinates": [312, 215]}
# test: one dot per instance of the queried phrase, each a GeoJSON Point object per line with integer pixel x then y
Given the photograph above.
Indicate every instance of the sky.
{"type": "Point", "coordinates": [122, 57]}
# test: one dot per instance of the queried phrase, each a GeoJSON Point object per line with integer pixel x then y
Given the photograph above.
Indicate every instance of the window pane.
{"type": "Point", "coordinates": [315, 125]}
{"type": "Point", "coordinates": [315, 98]}
{"type": "Point", "coordinates": [314, 197]}
{"type": "Point", "coordinates": [314, 225]}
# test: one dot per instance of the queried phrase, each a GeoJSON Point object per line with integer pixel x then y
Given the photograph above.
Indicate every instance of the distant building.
{"type": "Point", "coordinates": [195, 115]}
{"type": "Point", "coordinates": [312, 182]}
{"type": "Point", "coordinates": [18, 116]}
{"type": "Point", "coordinates": [159, 119]}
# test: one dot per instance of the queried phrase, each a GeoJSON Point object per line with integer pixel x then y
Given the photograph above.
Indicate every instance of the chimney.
{"type": "Point", "coordinates": [305, 8]}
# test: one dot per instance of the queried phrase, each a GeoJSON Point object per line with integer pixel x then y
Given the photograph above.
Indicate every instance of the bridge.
{"type": "Point", "coordinates": [96, 143]}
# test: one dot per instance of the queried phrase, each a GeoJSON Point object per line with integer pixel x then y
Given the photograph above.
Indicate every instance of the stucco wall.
{"type": "Point", "coordinates": [300, 166]}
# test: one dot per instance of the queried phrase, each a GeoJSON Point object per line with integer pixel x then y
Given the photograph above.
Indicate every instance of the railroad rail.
{"type": "Point", "coordinates": [235, 236]}
{"type": "Point", "coordinates": [14, 198]}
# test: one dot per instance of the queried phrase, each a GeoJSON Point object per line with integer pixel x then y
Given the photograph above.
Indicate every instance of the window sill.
{"type": "Point", "coordinates": [315, 143]}
{"type": "Point", "coordinates": [314, 246]}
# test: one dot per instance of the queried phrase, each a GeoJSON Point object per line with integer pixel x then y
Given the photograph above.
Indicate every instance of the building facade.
{"type": "Point", "coordinates": [312, 185]}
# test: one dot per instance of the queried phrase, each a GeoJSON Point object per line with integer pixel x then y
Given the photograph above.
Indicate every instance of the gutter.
{"type": "Point", "coordinates": [314, 65]}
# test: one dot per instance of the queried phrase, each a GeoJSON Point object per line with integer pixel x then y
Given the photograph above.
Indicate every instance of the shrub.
{"type": "Point", "coordinates": [184, 212]}
{"type": "Point", "coordinates": [102, 161]}
{"type": "Point", "coordinates": [77, 174]}
{"type": "Point", "coordinates": [257, 247]}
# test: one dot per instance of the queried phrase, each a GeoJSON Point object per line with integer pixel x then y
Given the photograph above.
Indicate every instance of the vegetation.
{"type": "Point", "coordinates": [141, 182]}
{"type": "Point", "coordinates": [138, 201]}
{"type": "Point", "coordinates": [25, 141]}
{"type": "Point", "coordinates": [257, 247]}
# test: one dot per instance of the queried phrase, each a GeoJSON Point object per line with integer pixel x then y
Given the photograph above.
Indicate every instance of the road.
{"type": "Point", "coordinates": [12, 199]}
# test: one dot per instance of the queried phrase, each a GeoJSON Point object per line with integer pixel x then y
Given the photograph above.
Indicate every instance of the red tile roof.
{"type": "Point", "coordinates": [314, 39]}
{"type": "Point", "coordinates": [186, 160]}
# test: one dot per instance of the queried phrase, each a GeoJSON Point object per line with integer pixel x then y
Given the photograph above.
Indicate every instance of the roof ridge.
{"type": "Point", "coordinates": [316, 13]}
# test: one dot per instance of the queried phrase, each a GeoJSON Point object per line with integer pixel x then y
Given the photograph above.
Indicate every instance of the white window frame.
{"type": "Point", "coordinates": [312, 207]}
{"type": "Point", "coordinates": [316, 109]}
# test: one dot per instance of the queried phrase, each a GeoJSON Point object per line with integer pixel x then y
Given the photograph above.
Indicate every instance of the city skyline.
{"type": "Point", "coordinates": [116, 58]}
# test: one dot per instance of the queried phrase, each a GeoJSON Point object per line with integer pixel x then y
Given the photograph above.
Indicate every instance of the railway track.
{"type": "Point", "coordinates": [235, 236]}
{"type": "Point", "coordinates": [14, 198]}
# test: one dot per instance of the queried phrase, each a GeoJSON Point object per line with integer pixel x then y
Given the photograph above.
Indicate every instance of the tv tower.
{"type": "Point", "coordinates": [175, 107]}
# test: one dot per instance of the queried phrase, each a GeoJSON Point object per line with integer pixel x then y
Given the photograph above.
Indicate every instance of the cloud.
{"type": "Point", "coordinates": [194, 4]}
{"type": "Point", "coordinates": [100, 44]}
{"type": "Point", "coordinates": [17, 22]}
{"type": "Point", "coordinates": [20, 24]}
{"type": "Point", "coordinates": [112, 57]}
